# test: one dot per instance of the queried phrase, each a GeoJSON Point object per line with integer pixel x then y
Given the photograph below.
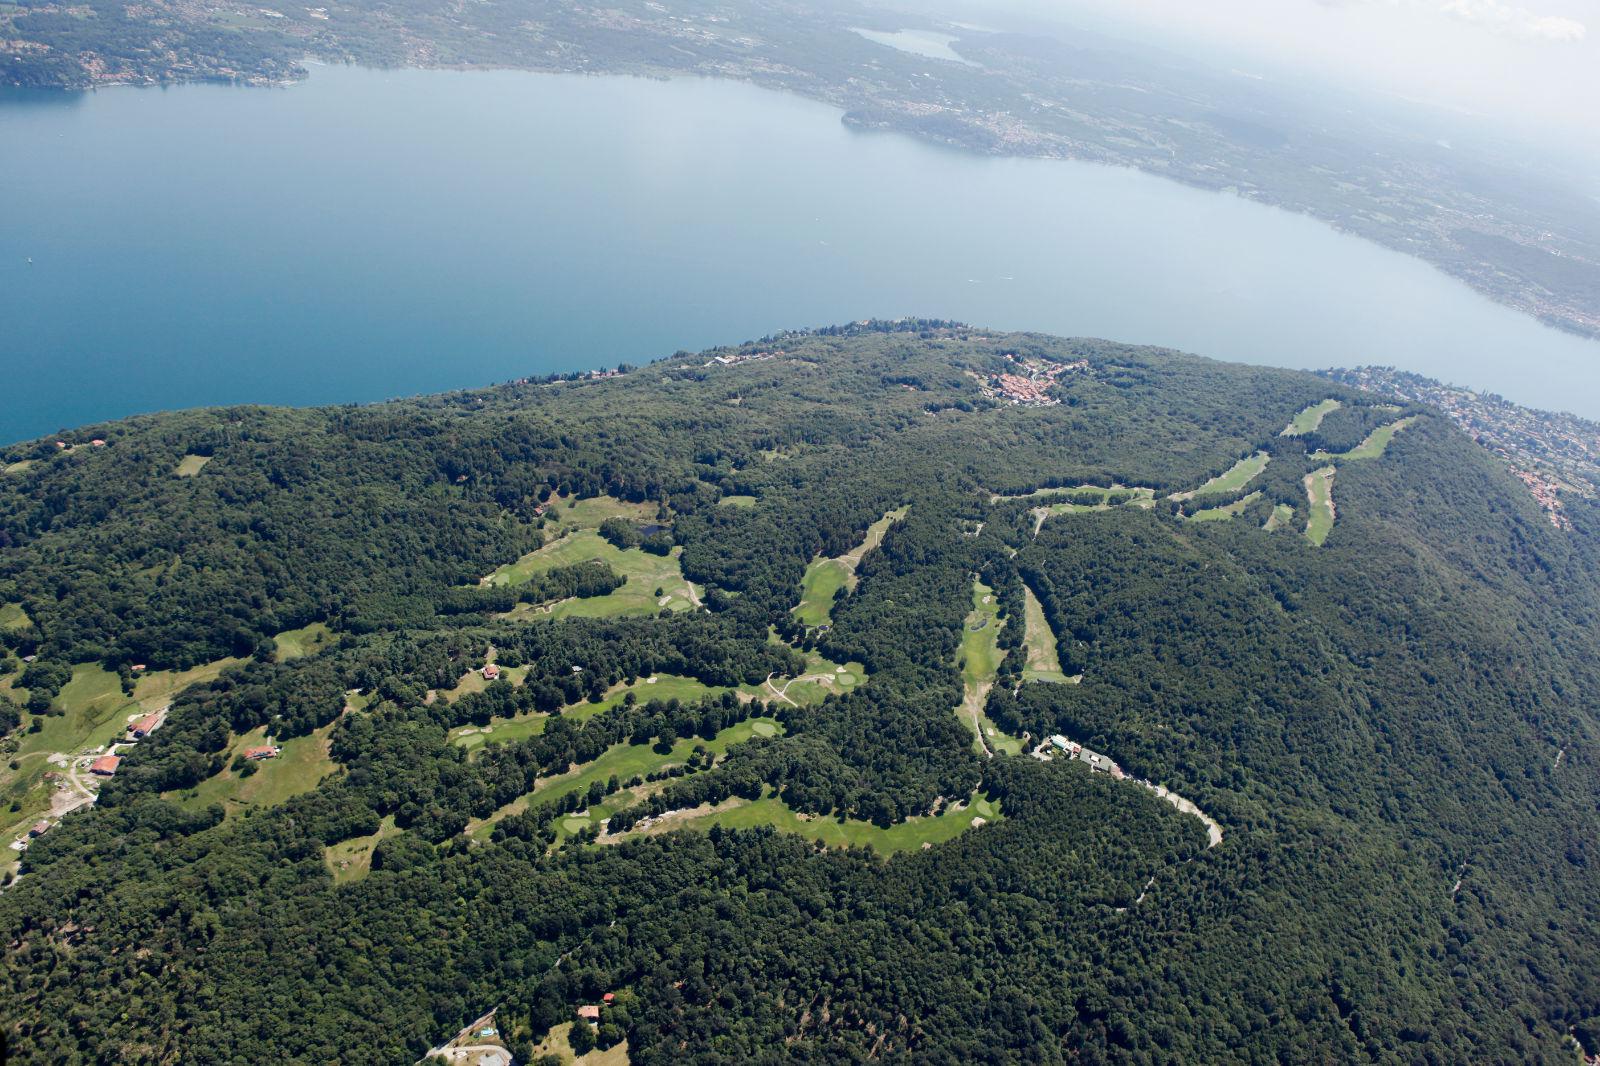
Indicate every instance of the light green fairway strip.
{"type": "Point", "coordinates": [1232, 480]}
{"type": "Point", "coordinates": [825, 577]}
{"type": "Point", "coordinates": [1044, 663]}
{"type": "Point", "coordinates": [1281, 516]}
{"type": "Point", "coordinates": [1373, 447]}
{"type": "Point", "coordinates": [737, 501]}
{"type": "Point", "coordinates": [1309, 419]}
{"type": "Point", "coordinates": [1319, 491]}
{"type": "Point", "coordinates": [905, 836]}
{"type": "Point", "coordinates": [190, 465]}
{"type": "Point", "coordinates": [624, 761]}
{"type": "Point", "coordinates": [660, 687]}
{"type": "Point", "coordinates": [980, 659]}
{"type": "Point", "coordinates": [1227, 510]}
{"type": "Point", "coordinates": [17, 467]}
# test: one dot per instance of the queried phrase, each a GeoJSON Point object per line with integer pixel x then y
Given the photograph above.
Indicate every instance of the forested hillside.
{"type": "Point", "coordinates": [760, 690]}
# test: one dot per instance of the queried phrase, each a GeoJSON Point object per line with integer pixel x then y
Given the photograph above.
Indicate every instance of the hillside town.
{"type": "Point", "coordinates": [1552, 453]}
{"type": "Point", "coordinates": [1028, 381]}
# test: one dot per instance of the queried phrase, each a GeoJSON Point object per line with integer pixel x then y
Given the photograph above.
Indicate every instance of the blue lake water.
{"type": "Point", "coordinates": [369, 234]}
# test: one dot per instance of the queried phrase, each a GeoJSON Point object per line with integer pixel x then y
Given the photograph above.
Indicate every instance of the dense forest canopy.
{"type": "Point", "coordinates": [503, 700]}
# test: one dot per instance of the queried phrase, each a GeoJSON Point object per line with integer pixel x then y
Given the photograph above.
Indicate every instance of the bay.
{"type": "Point", "coordinates": [369, 234]}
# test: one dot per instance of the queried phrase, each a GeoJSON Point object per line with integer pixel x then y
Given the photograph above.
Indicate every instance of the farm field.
{"type": "Point", "coordinates": [190, 465]}
{"type": "Point", "coordinates": [1039, 641]}
{"type": "Point", "coordinates": [825, 577]}
{"type": "Point", "coordinates": [1310, 419]}
{"type": "Point", "coordinates": [623, 761]}
{"type": "Point", "coordinates": [1227, 510]}
{"type": "Point", "coordinates": [1375, 444]}
{"type": "Point", "coordinates": [303, 762]}
{"type": "Point", "coordinates": [906, 836]}
{"type": "Point", "coordinates": [1319, 493]}
{"type": "Point", "coordinates": [1231, 480]}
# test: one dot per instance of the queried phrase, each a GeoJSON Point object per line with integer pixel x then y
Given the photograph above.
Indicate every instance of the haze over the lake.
{"type": "Point", "coordinates": [369, 234]}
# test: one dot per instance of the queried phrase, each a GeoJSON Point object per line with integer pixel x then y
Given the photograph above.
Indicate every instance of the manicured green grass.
{"type": "Point", "coordinates": [980, 658]}
{"type": "Point", "coordinates": [1227, 510]}
{"type": "Point", "coordinates": [1281, 516]}
{"type": "Point", "coordinates": [12, 616]}
{"type": "Point", "coordinates": [624, 761]}
{"type": "Point", "coordinates": [1375, 444]}
{"type": "Point", "coordinates": [17, 467]}
{"type": "Point", "coordinates": [737, 501]}
{"type": "Point", "coordinates": [1310, 418]}
{"type": "Point", "coordinates": [1232, 480]}
{"type": "Point", "coordinates": [1039, 640]}
{"type": "Point", "coordinates": [351, 860]}
{"type": "Point", "coordinates": [644, 573]}
{"type": "Point", "coordinates": [190, 465]}
{"type": "Point", "coordinates": [823, 579]}
{"type": "Point", "coordinates": [1319, 491]}
{"type": "Point", "coordinates": [906, 836]}
{"type": "Point", "coordinates": [303, 762]}
{"type": "Point", "coordinates": [307, 640]}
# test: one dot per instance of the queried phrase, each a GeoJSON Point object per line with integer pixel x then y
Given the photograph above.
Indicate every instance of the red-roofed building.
{"type": "Point", "coordinates": [105, 765]}
{"type": "Point", "coordinates": [263, 751]}
{"type": "Point", "coordinates": [490, 672]}
{"type": "Point", "coordinates": [589, 1012]}
{"type": "Point", "coordinates": [609, 997]}
{"type": "Point", "coordinates": [145, 726]}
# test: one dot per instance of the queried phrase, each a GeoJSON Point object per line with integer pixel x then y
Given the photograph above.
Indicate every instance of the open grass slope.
{"type": "Point", "coordinates": [12, 616]}
{"type": "Point", "coordinates": [1039, 641]}
{"type": "Point", "coordinates": [1375, 444]}
{"type": "Point", "coordinates": [1309, 419]}
{"type": "Point", "coordinates": [825, 577]}
{"type": "Point", "coordinates": [303, 762]}
{"type": "Point", "coordinates": [190, 465]}
{"type": "Point", "coordinates": [838, 833]}
{"type": "Point", "coordinates": [1232, 480]}
{"type": "Point", "coordinates": [351, 860]}
{"type": "Point", "coordinates": [1319, 494]}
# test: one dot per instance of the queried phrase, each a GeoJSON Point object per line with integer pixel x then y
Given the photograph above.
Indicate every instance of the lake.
{"type": "Point", "coordinates": [369, 234]}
